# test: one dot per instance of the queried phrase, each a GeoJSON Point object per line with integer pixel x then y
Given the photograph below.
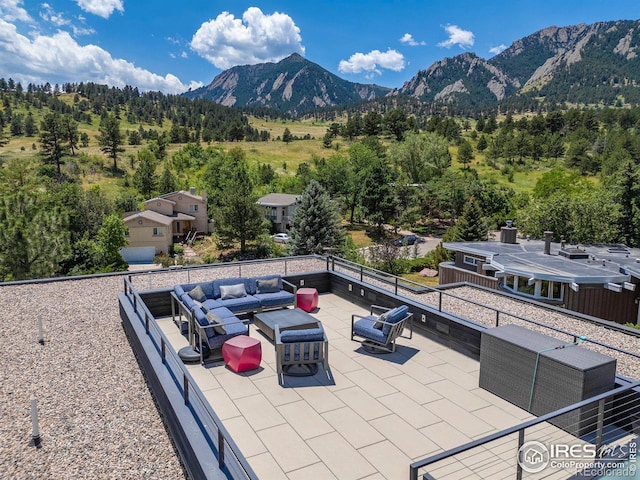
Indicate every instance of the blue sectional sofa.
{"type": "Point", "coordinates": [214, 305]}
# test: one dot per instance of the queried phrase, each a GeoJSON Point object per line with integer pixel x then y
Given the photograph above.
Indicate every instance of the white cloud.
{"type": "Point", "coordinates": [102, 8]}
{"type": "Point", "coordinates": [256, 38]}
{"type": "Point", "coordinates": [11, 10]}
{"type": "Point", "coordinates": [409, 40]}
{"type": "Point", "coordinates": [59, 58]}
{"type": "Point", "coordinates": [372, 62]}
{"type": "Point", "coordinates": [48, 14]}
{"type": "Point", "coordinates": [499, 49]}
{"type": "Point", "coordinates": [457, 36]}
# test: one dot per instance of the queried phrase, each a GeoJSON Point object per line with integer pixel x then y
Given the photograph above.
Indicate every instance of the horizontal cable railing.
{"type": "Point", "coordinates": [609, 424]}
{"type": "Point", "coordinates": [219, 439]}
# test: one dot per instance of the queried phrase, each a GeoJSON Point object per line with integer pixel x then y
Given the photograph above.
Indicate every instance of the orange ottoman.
{"type": "Point", "coordinates": [307, 299]}
{"type": "Point", "coordinates": [242, 353]}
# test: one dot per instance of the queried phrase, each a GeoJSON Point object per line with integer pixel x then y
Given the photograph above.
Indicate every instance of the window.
{"type": "Point", "coordinates": [470, 260]}
{"type": "Point", "coordinates": [193, 208]}
{"type": "Point", "coordinates": [157, 232]}
{"type": "Point", "coordinates": [542, 289]}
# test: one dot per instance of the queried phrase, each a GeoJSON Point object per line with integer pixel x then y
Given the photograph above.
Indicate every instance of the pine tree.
{"type": "Point", "coordinates": [144, 178]}
{"type": "Point", "coordinates": [470, 227]}
{"type": "Point", "coordinates": [315, 225]}
{"type": "Point", "coordinates": [167, 181]}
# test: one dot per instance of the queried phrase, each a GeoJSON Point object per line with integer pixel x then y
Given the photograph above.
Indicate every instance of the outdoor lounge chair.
{"type": "Point", "coordinates": [379, 332]}
{"type": "Point", "coordinates": [298, 352]}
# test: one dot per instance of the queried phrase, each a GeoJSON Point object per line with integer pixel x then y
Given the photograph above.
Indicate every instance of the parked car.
{"type": "Point", "coordinates": [280, 238]}
{"type": "Point", "coordinates": [406, 240]}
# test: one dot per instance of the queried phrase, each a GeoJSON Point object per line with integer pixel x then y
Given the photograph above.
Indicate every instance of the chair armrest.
{"type": "Point", "coordinates": [291, 286]}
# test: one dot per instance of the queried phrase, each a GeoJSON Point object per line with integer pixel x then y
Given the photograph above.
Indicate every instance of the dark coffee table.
{"type": "Point", "coordinates": [286, 319]}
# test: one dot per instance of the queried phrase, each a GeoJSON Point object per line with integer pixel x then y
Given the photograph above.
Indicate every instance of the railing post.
{"type": "Point", "coordinates": [520, 443]}
{"type": "Point", "coordinates": [185, 386]}
{"type": "Point", "coordinates": [600, 426]}
{"type": "Point", "coordinates": [146, 322]}
{"type": "Point", "coordinates": [220, 450]}
{"type": "Point", "coordinates": [361, 272]}
{"type": "Point", "coordinates": [327, 262]}
{"type": "Point", "coordinates": [163, 351]}
{"type": "Point", "coordinates": [440, 301]}
{"type": "Point", "coordinates": [333, 264]}
{"type": "Point", "coordinates": [497, 317]}
{"type": "Point", "coordinates": [396, 285]}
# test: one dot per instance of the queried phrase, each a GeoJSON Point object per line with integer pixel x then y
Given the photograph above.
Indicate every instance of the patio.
{"type": "Point", "coordinates": [371, 420]}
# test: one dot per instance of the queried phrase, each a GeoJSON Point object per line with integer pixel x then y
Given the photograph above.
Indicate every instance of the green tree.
{"type": "Point", "coordinates": [378, 200]}
{"type": "Point", "coordinates": [238, 216]}
{"type": "Point", "coordinates": [372, 124]}
{"type": "Point", "coordinates": [395, 121]}
{"type": "Point", "coordinates": [168, 181]}
{"type": "Point", "coordinates": [70, 132]}
{"type": "Point", "coordinates": [34, 236]}
{"type": "Point", "coordinates": [316, 223]}
{"type": "Point", "coordinates": [144, 177]}
{"type": "Point", "coordinates": [52, 140]}
{"type": "Point", "coordinates": [111, 238]}
{"type": "Point", "coordinates": [465, 153]}
{"type": "Point", "coordinates": [287, 137]}
{"type": "Point", "coordinates": [470, 227]}
{"type": "Point", "coordinates": [110, 138]}
{"type": "Point", "coordinates": [421, 156]}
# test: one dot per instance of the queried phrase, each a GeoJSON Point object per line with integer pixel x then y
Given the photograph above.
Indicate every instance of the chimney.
{"type": "Point", "coordinates": [192, 190]}
{"type": "Point", "coordinates": [508, 233]}
{"type": "Point", "coordinates": [547, 242]}
{"type": "Point", "coordinates": [203, 194]}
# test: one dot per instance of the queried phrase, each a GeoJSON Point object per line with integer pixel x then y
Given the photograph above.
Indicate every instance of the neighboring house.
{"type": "Point", "coordinates": [279, 208]}
{"type": "Point", "coordinates": [165, 219]}
{"type": "Point", "coordinates": [596, 280]}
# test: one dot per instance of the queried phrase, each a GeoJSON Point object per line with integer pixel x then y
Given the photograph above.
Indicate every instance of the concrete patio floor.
{"type": "Point", "coordinates": [376, 415]}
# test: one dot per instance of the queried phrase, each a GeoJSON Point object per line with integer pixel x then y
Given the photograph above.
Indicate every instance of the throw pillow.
{"type": "Point", "coordinates": [379, 325]}
{"type": "Point", "coordinates": [197, 294]}
{"type": "Point", "coordinates": [268, 285]}
{"type": "Point", "coordinates": [216, 321]}
{"type": "Point", "coordinates": [232, 291]}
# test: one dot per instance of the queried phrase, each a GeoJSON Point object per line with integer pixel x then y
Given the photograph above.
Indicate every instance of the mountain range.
{"type": "Point", "coordinates": [579, 64]}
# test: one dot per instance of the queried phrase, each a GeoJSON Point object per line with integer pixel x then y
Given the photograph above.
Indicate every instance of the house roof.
{"type": "Point", "coordinates": [183, 193]}
{"type": "Point", "coordinates": [151, 216]}
{"type": "Point", "coordinates": [599, 263]}
{"type": "Point", "coordinates": [160, 199]}
{"type": "Point", "coordinates": [278, 200]}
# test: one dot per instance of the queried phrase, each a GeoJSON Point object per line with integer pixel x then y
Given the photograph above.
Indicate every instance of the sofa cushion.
{"type": "Point", "coordinates": [197, 294]}
{"type": "Point", "coordinates": [217, 322]}
{"type": "Point", "coordinates": [394, 316]}
{"type": "Point", "coordinates": [243, 304]}
{"type": "Point", "coordinates": [210, 304]}
{"type": "Point", "coordinates": [364, 328]}
{"type": "Point", "coordinates": [302, 335]}
{"type": "Point", "coordinates": [379, 323]}
{"type": "Point", "coordinates": [269, 284]}
{"type": "Point", "coordinates": [279, 299]}
{"type": "Point", "coordinates": [228, 292]}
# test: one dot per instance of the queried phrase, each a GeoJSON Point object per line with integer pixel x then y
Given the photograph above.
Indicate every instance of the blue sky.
{"type": "Point", "coordinates": [172, 46]}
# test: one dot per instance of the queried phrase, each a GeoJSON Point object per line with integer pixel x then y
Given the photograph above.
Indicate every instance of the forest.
{"type": "Point", "coordinates": [74, 158]}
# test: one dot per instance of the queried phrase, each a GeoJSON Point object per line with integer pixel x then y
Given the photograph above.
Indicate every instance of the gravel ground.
{"type": "Point", "coordinates": [97, 416]}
